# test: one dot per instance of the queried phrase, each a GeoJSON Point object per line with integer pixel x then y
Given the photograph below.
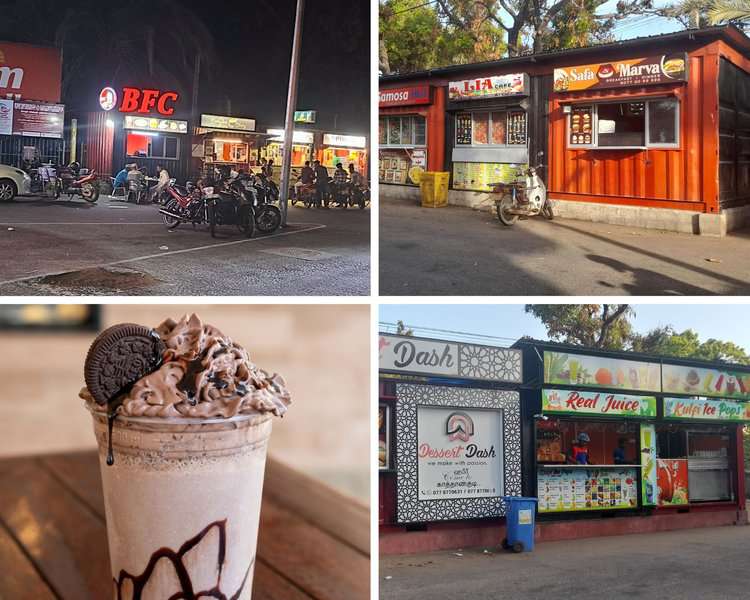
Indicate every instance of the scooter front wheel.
{"type": "Point", "coordinates": [268, 218]}
{"type": "Point", "coordinates": [506, 218]}
{"type": "Point", "coordinates": [90, 192]}
{"type": "Point", "coordinates": [547, 212]}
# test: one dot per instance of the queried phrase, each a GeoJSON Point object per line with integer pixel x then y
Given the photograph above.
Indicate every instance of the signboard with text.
{"type": "Point", "coordinates": [349, 141]}
{"type": "Point", "coordinates": [459, 453]}
{"type": "Point", "coordinates": [305, 116]}
{"type": "Point", "coordinates": [597, 403]}
{"type": "Point", "coordinates": [406, 96]}
{"type": "Point", "coordinates": [561, 368]}
{"type": "Point", "coordinates": [30, 72]}
{"type": "Point", "coordinates": [408, 354]}
{"type": "Point", "coordinates": [650, 70]}
{"type": "Point", "coordinates": [38, 120]}
{"type": "Point", "coordinates": [706, 409]}
{"type": "Point", "coordinates": [153, 124]}
{"type": "Point", "coordinates": [229, 123]}
{"type": "Point", "coordinates": [515, 84]}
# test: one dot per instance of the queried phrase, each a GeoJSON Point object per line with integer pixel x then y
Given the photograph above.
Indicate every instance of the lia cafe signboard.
{"type": "Point", "coordinates": [651, 70]}
{"type": "Point", "coordinates": [137, 100]}
{"type": "Point", "coordinates": [406, 96]}
{"type": "Point", "coordinates": [459, 453]}
{"type": "Point", "coordinates": [703, 408]}
{"type": "Point", "coordinates": [597, 403]}
{"type": "Point", "coordinates": [515, 84]}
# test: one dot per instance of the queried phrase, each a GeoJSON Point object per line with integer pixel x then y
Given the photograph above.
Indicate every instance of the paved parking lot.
{"type": "Point", "coordinates": [694, 564]}
{"type": "Point", "coordinates": [111, 248]}
{"type": "Point", "coordinates": [459, 251]}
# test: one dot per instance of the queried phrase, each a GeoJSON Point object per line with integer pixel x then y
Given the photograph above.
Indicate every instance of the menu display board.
{"type": "Point", "coordinates": [597, 488]}
{"type": "Point", "coordinates": [703, 408]}
{"type": "Point", "coordinates": [402, 165]}
{"type": "Point", "coordinates": [459, 453]}
{"type": "Point", "coordinates": [581, 125]}
{"type": "Point", "coordinates": [597, 403]}
{"type": "Point", "coordinates": [672, 480]}
{"type": "Point", "coordinates": [724, 383]}
{"type": "Point", "coordinates": [515, 84]}
{"type": "Point", "coordinates": [480, 176]}
{"type": "Point", "coordinates": [648, 464]}
{"type": "Point", "coordinates": [561, 368]}
{"type": "Point", "coordinates": [154, 124]}
{"type": "Point", "coordinates": [650, 70]}
{"type": "Point", "coordinates": [35, 119]}
{"type": "Point", "coordinates": [6, 117]}
{"type": "Point", "coordinates": [516, 127]}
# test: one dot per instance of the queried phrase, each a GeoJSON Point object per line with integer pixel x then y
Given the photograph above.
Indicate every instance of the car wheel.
{"type": "Point", "coordinates": [8, 190]}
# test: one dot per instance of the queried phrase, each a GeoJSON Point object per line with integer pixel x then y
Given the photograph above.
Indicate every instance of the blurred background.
{"type": "Point", "coordinates": [322, 352]}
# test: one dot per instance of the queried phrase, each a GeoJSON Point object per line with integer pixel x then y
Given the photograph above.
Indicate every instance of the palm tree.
{"type": "Point", "coordinates": [729, 10]}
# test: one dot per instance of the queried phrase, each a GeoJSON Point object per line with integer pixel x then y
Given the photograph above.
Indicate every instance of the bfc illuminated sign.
{"type": "Point", "coordinates": [136, 100]}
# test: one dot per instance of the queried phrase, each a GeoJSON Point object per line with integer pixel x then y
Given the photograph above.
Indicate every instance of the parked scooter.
{"type": "Point", "coordinates": [75, 181]}
{"type": "Point", "coordinates": [525, 197]}
{"type": "Point", "coordinates": [262, 193]}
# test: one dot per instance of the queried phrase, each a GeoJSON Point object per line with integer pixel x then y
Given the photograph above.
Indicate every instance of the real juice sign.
{"type": "Point", "coordinates": [598, 403]}
{"type": "Point", "coordinates": [703, 408]}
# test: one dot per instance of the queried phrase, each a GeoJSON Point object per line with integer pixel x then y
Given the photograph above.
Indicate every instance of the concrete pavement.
{"type": "Point", "coordinates": [459, 251]}
{"type": "Point", "coordinates": [691, 564]}
{"type": "Point", "coordinates": [111, 248]}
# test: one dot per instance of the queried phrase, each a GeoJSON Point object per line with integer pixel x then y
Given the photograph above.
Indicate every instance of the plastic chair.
{"type": "Point", "coordinates": [120, 188]}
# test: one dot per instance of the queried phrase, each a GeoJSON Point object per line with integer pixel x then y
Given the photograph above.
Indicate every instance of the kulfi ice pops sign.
{"type": "Point", "coordinates": [703, 408]}
{"type": "Point", "coordinates": [459, 453]}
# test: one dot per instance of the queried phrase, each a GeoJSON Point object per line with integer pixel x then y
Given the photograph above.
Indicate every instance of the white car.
{"type": "Point", "coordinates": [13, 181]}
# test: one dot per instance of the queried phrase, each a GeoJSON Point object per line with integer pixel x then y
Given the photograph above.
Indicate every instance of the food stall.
{"type": "Point", "coordinates": [488, 120]}
{"type": "Point", "coordinates": [303, 144]}
{"type": "Point", "coordinates": [449, 436]}
{"type": "Point", "coordinates": [226, 141]}
{"type": "Point", "coordinates": [406, 115]}
{"type": "Point", "coordinates": [663, 433]}
{"type": "Point", "coordinates": [345, 149]}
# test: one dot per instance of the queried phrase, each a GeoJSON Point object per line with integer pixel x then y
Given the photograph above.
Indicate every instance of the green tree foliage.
{"type": "Point", "coordinates": [416, 37]}
{"type": "Point", "coordinates": [594, 325]}
{"type": "Point", "coordinates": [609, 326]}
{"type": "Point", "coordinates": [729, 10]}
{"type": "Point", "coordinates": [687, 344]}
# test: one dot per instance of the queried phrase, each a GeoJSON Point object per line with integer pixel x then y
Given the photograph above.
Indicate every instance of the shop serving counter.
{"type": "Point", "coordinates": [564, 488]}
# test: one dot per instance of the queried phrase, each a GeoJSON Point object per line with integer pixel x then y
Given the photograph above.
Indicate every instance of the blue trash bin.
{"type": "Point", "coordinates": [519, 519]}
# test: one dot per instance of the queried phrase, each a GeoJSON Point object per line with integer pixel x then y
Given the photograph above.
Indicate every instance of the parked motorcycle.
{"type": "Point", "coordinates": [525, 197]}
{"type": "Point", "coordinates": [359, 195]}
{"type": "Point", "coordinates": [206, 204]}
{"type": "Point", "coordinates": [75, 181]}
{"type": "Point", "coordinates": [43, 180]}
{"type": "Point", "coordinates": [261, 192]}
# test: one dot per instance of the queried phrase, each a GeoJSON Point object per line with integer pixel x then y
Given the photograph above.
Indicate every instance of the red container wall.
{"type": "Point", "coordinates": [99, 143]}
{"type": "Point", "coordinates": [684, 178]}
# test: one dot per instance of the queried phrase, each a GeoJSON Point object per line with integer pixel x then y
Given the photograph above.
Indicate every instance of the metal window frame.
{"type": "Point", "coordinates": [506, 112]}
{"type": "Point", "coordinates": [388, 145]}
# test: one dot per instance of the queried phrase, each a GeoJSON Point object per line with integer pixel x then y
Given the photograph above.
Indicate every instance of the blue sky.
{"type": "Point", "coordinates": [721, 321]}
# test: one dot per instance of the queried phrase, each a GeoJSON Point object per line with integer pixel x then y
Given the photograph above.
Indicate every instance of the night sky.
{"type": "Point", "coordinates": [252, 41]}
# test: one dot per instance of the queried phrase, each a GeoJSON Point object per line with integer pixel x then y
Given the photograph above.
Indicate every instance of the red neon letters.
{"type": "Point", "coordinates": [144, 101]}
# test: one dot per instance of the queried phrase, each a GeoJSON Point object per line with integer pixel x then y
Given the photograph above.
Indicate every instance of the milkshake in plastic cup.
{"type": "Point", "coordinates": [182, 418]}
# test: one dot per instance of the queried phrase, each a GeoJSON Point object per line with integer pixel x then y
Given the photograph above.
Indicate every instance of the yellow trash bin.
{"type": "Point", "coordinates": [433, 186]}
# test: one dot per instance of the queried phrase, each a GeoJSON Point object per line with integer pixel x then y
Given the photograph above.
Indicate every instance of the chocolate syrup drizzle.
{"type": "Point", "coordinates": [186, 591]}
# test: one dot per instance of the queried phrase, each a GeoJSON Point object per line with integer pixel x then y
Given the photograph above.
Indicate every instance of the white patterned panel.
{"type": "Point", "coordinates": [485, 362]}
{"type": "Point", "coordinates": [408, 508]}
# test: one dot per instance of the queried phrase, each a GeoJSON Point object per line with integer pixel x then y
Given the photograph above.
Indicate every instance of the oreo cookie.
{"type": "Point", "coordinates": [120, 356]}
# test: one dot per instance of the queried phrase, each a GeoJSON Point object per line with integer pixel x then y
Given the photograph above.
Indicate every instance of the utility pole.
{"type": "Point", "coordinates": [291, 104]}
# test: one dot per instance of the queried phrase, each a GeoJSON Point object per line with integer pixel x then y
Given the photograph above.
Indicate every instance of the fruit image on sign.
{"type": "Point", "coordinates": [561, 368]}
{"type": "Point", "coordinates": [672, 478]}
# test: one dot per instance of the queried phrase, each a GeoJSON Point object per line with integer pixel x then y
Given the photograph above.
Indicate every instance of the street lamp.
{"type": "Point", "coordinates": [291, 104]}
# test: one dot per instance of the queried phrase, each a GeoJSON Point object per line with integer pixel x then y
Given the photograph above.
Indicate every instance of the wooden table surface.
{"type": "Point", "coordinates": [313, 541]}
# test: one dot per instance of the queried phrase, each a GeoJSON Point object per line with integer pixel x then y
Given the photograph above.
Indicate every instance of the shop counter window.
{"type": "Point", "coordinates": [639, 124]}
{"type": "Point", "coordinates": [496, 128]}
{"type": "Point", "coordinates": [152, 145]}
{"type": "Point", "coordinates": [403, 157]}
{"type": "Point", "coordinates": [402, 131]}
{"type": "Point", "coordinates": [228, 151]}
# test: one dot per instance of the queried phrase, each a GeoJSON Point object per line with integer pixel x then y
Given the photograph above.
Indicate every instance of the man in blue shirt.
{"type": "Point", "coordinates": [121, 178]}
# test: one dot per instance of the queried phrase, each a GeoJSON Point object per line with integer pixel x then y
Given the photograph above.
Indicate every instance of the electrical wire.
{"type": "Point", "coordinates": [399, 12]}
{"type": "Point", "coordinates": [461, 335]}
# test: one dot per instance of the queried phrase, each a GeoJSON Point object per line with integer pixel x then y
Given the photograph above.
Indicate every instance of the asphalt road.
{"type": "Point", "coordinates": [694, 564]}
{"type": "Point", "coordinates": [463, 252]}
{"type": "Point", "coordinates": [112, 248]}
